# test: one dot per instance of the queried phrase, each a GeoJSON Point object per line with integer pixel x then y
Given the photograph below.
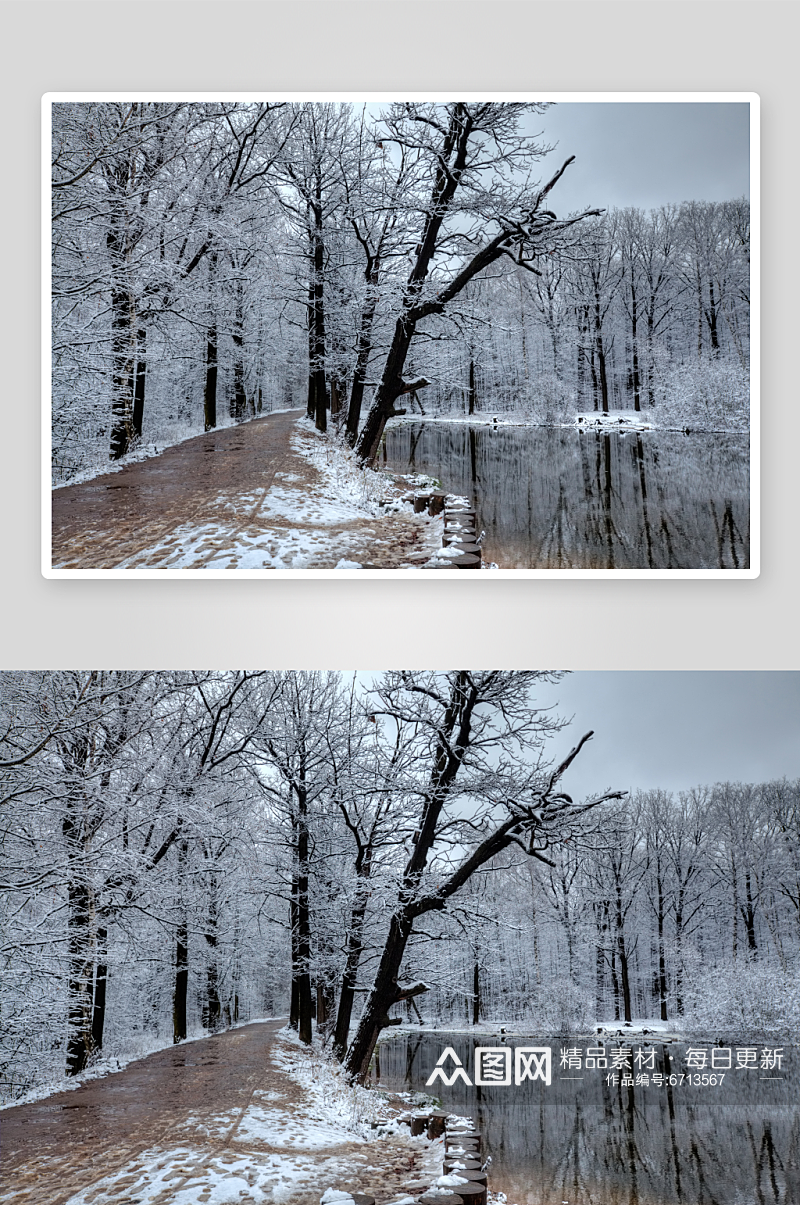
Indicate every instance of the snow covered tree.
{"type": "Point", "coordinates": [479, 207]}
{"type": "Point", "coordinates": [480, 742]}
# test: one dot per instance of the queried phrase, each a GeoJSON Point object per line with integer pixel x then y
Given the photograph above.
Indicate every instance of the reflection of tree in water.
{"type": "Point", "coordinates": [473, 456]}
{"type": "Point", "coordinates": [412, 450]}
{"type": "Point", "coordinates": [589, 1143]}
{"type": "Point", "coordinates": [728, 534]}
{"type": "Point", "coordinates": [553, 498]}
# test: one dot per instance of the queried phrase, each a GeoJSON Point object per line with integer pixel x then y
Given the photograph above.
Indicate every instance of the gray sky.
{"type": "Point", "coordinates": [646, 153]}
{"type": "Point", "coordinates": [678, 729]}
{"type": "Point", "coordinates": [673, 729]}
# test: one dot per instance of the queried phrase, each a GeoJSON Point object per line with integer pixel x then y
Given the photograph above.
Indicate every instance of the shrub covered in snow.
{"type": "Point", "coordinates": [703, 395]}
{"type": "Point", "coordinates": [336, 1097]}
{"type": "Point", "coordinates": [747, 1000]}
{"type": "Point", "coordinates": [561, 1007]}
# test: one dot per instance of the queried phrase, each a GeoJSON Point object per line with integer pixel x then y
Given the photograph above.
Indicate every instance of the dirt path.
{"type": "Point", "coordinates": [239, 498]}
{"type": "Point", "coordinates": [205, 1122]}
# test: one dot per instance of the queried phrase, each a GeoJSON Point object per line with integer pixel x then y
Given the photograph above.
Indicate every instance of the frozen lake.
{"type": "Point", "coordinates": [551, 498]}
{"type": "Point", "coordinates": [582, 1141]}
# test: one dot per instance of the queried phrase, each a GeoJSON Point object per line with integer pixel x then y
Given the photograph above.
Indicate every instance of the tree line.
{"type": "Point", "coordinates": [679, 908]}
{"type": "Point", "coordinates": [181, 845]}
{"type": "Point", "coordinates": [212, 260]}
{"type": "Point", "coordinates": [184, 851]}
{"type": "Point", "coordinates": [649, 313]}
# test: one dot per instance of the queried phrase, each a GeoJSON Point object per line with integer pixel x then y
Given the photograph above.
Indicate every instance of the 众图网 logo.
{"type": "Point", "coordinates": [493, 1066]}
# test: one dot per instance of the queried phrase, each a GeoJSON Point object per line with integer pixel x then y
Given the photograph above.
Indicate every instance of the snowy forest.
{"type": "Point", "coordinates": [184, 851]}
{"type": "Point", "coordinates": [212, 261]}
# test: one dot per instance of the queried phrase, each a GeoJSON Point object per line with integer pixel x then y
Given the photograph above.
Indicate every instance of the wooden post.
{"type": "Point", "coordinates": [462, 1146]}
{"type": "Point", "coordinates": [455, 1163]}
{"type": "Point", "coordinates": [458, 531]}
{"type": "Point", "coordinates": [471, 1193]}
{"type": "Point", "coordinates": [456, 562]}
{"type": "Point", "coordinates": [473, 1175]}
{"type": "Point", "coordinates": [471, 1135]}
{"type": "Point", "coordinates": [436, 1124]}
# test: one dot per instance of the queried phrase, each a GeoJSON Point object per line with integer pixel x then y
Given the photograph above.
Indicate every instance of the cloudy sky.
{"type": "Point", "coordinates": [646, 153]}
{"type": "Point", "coordinates": [672, 729]}
{"type": "Point", "coordinates": [676, 729]}
{"type": "Point", "coordinates": [642, 153]}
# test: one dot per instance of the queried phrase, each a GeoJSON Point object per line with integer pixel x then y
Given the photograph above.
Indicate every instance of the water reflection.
{"type": "Point", "coordinates": [551, 498]}
{"type": "Point", "coordinates": [584, 1142]}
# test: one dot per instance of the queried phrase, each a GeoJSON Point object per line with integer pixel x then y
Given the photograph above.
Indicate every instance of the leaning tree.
{"type": "Point", "coordinates": [482, 784]}
{"type": "Point", "coordinates": [479, 206]}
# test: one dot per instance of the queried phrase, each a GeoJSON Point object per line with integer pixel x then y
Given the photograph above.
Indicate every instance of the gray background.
{"type": "Point", "coordinates": [384, 46]}
{"type": "Point", "coordinates": [675, 730]}
{"type": "Point", "coordinates": [645, 154]}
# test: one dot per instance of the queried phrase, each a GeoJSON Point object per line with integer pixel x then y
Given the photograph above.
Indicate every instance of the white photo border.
{"type": "Point", "coordinates": [750, 98]}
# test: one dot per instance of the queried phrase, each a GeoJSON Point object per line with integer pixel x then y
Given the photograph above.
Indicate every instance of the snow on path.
{"type": "Point", "coordinates": [269, 494]}
{"type": "Point", "coordinates": [242, 1117]}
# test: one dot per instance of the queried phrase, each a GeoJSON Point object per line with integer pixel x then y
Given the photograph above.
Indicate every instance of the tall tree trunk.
{"type": "Point", "coordinates": [383, 995]}
{"type": "Point", "coordinates": [302, 969]}
{"type": "Point", "coordinates": [662, 965]}
{"type": "Point", "coordinates": [316, 367]}
{"type": "Point", "coordinates": [603, 375]}
{"type": "Point", "coordinates": [635, 345]}
{"type": "Point", "coordinates": [472, 394]}
{"type": "Point", "coordinates": [238, 409]}
{"type": "Point", "coordinates": [651, 368]}
{"type": "Point", "coordinates": [122, 340]}
{"type": "Point", "coordinates": [141, 375]}
{"type": "Point", "coordinates": [363, 349]}
{"type": "Point", "coordinates": [181, 987]}
{"type": "Point", "coordinates": [311, 403]}
{"type": "Point", "coordinates": [622, 954]}
{"type": "Point", "coordinates": [212, 1011]}
{"type": "Point", "coordinates": [100, 984]}
{"type": "Point", "coordinates": [210, 395]}
{"type": "Point", "coordinates": [749, 914]}
{"type": "Point", "coordinates": [336, 391]}
{"type": "Point", "coordinates": [294, 1005]}
{"type": "Point", "coordinates": [179, 1027]}
{"type": "Point", "coordinates": [523, 332]}
{"type": "Point", "coordinates": [476, 991]}
{"type": "Point", "coordinates": [679, 913]}
{"type": "Point", "coordinates": [625, 974]}
{"type": "Point", "coordinates": [451, 164]}
{"type": "Point", "coordinates": [81, 973]}
{"type": "Point", "coordinates": [711, 318]}
{"type": "Point", "coordinates": [354, 950]}
{"type": "Point", "coordinates": [390, 388]}
{"type": "Point", "coordinates": [452, 742]}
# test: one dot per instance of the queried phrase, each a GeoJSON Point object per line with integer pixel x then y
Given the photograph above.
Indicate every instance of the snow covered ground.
{"type": "Point", "coordinates": [339, 520]}
{"type": "Point", "coordinates": [613, 420]}
{"type": "Point", "coordinates": [294, 1130]}
{"type": "Point", "coordinates": [273, 496]}
{"type": "Point", "coordinates": [512, 1029]}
